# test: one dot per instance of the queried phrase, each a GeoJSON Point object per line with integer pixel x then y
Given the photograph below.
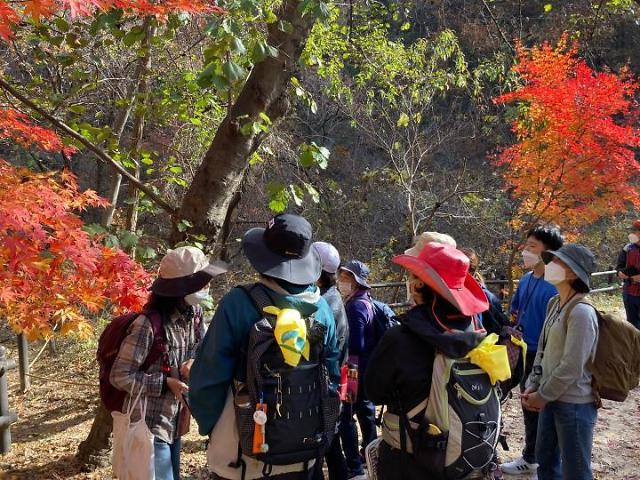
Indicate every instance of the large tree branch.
{"type": "Point", "coordinates": [100, 153]}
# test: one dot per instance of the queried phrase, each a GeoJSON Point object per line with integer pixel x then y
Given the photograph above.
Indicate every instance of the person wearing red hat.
{"type": "Point", "coordinates": [447, 301]}
{"type": "Point", "coordinates": [628, 268]}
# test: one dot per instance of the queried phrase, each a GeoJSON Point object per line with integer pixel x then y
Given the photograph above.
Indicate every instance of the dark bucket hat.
{"type": "Point", "coordinates": [577, 257]}
{"type": "Point", "coordinates": [359, 270]}
{"type": "Point", "coordinates": [283, 250]}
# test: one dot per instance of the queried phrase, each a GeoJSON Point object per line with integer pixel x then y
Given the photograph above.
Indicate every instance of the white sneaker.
{"type": "Point", "coordinates": [519, 467]}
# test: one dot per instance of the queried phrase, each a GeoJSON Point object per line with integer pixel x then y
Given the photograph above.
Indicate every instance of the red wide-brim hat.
{"type": "Point", "coordinates": [445, 269]}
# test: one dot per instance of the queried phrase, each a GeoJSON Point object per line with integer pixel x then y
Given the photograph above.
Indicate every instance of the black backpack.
{"type": "Point", "coordinates": [301, 409]}
{"type": "Point", "coordinates": [384, 318]}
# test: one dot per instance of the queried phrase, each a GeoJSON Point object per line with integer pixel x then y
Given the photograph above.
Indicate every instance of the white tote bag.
{"type": "Point", "coordinates": [132, 457]}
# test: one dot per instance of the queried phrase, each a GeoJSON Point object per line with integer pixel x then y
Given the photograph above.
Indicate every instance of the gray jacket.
{"type": "Point", "coordinates": [567, 345]}
{"type": "Point", "coordinates": [333, 298]}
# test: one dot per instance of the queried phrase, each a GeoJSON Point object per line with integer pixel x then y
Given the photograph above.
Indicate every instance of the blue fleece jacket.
{"type": "Point", "coordinates": [219, 357]}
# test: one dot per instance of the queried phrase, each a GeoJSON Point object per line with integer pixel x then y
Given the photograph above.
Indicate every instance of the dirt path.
{"type": "Point", "coordinates": [55, 418]}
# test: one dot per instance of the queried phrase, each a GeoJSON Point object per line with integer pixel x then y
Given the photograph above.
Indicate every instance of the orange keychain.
{"type": "Point", "coordinates": [259, 435]}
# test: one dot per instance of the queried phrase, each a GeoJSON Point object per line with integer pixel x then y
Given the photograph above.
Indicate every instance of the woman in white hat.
{"type": "Point", "coordinates": [181, 285]}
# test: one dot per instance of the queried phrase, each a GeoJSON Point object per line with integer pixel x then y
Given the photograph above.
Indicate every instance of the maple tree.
{"type": "Point", "coordinates": [10, 15]}
{"type": "Point", "coordinates": [53, 274]}
{"type": "Point", "coordinates": [574, 160]}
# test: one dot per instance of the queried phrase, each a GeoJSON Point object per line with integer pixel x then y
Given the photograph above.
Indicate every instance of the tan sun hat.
{"type": "Point", "coordinates": [428, 237]}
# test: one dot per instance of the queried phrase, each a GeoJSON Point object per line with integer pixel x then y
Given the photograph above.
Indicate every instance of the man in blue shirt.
{"type": "Point", "coordinates": [529, 307]}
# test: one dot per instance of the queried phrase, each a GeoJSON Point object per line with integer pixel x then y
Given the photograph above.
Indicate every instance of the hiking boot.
{"type": "Point", "coordinates": [519, 467]}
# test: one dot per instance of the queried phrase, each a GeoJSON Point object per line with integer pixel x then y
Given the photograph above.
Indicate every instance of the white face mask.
{"type": "Point", "coordinates": [345, 288]}
{"type": "Point", "coordinates": [530, 259]}
{"type": "Point", "coordinates": [197, 298]}
{"type": "Point", "coordinates": [633, 238]}
{"type": "Point", "coordinates": [554, 273]}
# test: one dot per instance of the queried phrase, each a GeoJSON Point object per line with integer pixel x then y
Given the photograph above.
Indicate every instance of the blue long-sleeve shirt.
{"type": "Point", "coordinates": [530, 306]}
{"type": "Point", "coordinates": [219, 357]}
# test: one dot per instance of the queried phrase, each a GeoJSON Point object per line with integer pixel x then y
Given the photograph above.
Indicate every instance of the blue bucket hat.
{"type": "Point", "coordinates": [359, 270]}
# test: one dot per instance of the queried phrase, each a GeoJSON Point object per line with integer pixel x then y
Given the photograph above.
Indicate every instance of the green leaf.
{"type": "Point", "coordinates": [403, 121]}
{"type": "Point", "coordinates": [237, 46]}
{"type": "Point", "coordinates": [548, 7]}
{"type": "Point", "coordinates": [297, 194]}
{"type": "Point", "coordinates": [232, 71]}
{"type": "Point", "coordinates": [177, 169]}
{"type": "Point", "coordinates": [184, 225]}
{"type": "Point", "coordinates": [94, 229]}
{"type": "Point", "coordinates": [196, 121]}
{"type": "Point", "coordinates": [405, 26]}
{"type": "Point", "coordinates": [128, 240]}
{"type": "Point", "coordinates": [313, 193]}
{"type": "Point", "coordinates": [145, 253]}
{"type": "Point", "coordinates": [278, 196]}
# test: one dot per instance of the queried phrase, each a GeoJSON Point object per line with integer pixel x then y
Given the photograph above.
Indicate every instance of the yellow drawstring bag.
{"type": "Point", "coordinates": [291, 334]}
{"type": "Point", "coordinates": [491, 358]}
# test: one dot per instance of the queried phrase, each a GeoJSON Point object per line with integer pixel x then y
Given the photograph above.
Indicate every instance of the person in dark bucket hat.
{"type": "Point", "coordinates": [577, 257]}
{"type": "Point", "coordinates": [282, 253]}
{"type": "Point", "coordinates": [560, 384]}
{"type": "Point", "coordinates": [359, 271]}
{"type": "Point", "coordinates": [283, 250]}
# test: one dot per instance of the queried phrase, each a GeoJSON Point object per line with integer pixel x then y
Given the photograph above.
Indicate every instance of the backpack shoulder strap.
{"type": "Point", "coordinates": [159, 345]}
{"type": "Point", "coordinates": [259, 297]}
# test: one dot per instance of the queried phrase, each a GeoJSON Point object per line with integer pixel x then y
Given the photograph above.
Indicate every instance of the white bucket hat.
{"type": "Point", "coordinates": [329, 256]}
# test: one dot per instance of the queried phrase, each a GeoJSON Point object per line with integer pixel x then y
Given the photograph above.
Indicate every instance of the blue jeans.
{"type": "Point", "coordinates": [366, 413]}
{"type": "Point", "coordinates": [632, 307]}
{"type": "Point", "coordinates": [565, 438]}
{"type": "Point", "coordinates": [167, 459]}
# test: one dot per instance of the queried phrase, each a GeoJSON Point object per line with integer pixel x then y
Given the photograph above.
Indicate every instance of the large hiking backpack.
{"type": "Point", "coordinates": [616, 366]}
{"type": "Point", "coordinates": [301, 410]}
{"type": "Point", "coordinates": [465, 408]}
{"type": "Point", "coordinates": [384, 318]}
{"type": "Point", "coordinates": [109, 345]}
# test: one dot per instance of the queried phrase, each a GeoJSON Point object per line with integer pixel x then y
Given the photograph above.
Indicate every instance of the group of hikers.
{"type": "Point", "coordinates": [289, 372]}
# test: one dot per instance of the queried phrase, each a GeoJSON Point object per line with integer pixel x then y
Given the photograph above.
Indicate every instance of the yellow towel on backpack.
{"type": "Point", "coordinates": [491, 358]}
{"type": "Point", "coordinates": [291, 334]}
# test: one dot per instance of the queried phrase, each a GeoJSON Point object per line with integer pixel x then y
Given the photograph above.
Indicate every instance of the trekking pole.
{"type": "Point", "coordinates": [6, 417]}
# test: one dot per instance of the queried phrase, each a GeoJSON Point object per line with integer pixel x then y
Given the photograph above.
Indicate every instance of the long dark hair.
{"type": "Point", "coordinates": [165, 306]}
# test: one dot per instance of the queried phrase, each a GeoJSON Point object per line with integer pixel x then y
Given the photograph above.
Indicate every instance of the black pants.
{"type": "Point", "coordinates": [336, 463]}
{"type": "Point", "coordinates": [530, 418]}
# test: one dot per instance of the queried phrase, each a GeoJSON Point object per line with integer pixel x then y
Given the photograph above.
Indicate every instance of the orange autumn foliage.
{"type": "Point", "coordinates": [12, 13]}
{"type": "Point", "coordinates": [577, 130]}
{"type": "Point", "coordinates": [53, 274]}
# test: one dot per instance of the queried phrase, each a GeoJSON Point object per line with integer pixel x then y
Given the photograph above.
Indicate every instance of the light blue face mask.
{"type": "Point", "coordinates": [197, 298]}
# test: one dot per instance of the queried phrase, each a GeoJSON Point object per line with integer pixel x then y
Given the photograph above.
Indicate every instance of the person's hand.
{"type": "Point", "coordinates": [622, 276]}
{"type": "Point", "coordinates": [177, 387]}
{"type": "Point", "coordinates": [635, 279]}
{"type": "Point", "coordinates": [185, 368]}
{"type": "Point", "coordinates": [524, 396]}
{"type": "Point", "coordinates": [534, 402]}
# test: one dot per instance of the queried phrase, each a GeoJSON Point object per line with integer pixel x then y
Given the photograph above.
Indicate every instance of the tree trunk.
{"type": "Point", "coordinates": [219, 176]}
{"type": "Point", "coordinates": [140, 82]}
{"type": "Point", "coordinates": [96, 448]}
